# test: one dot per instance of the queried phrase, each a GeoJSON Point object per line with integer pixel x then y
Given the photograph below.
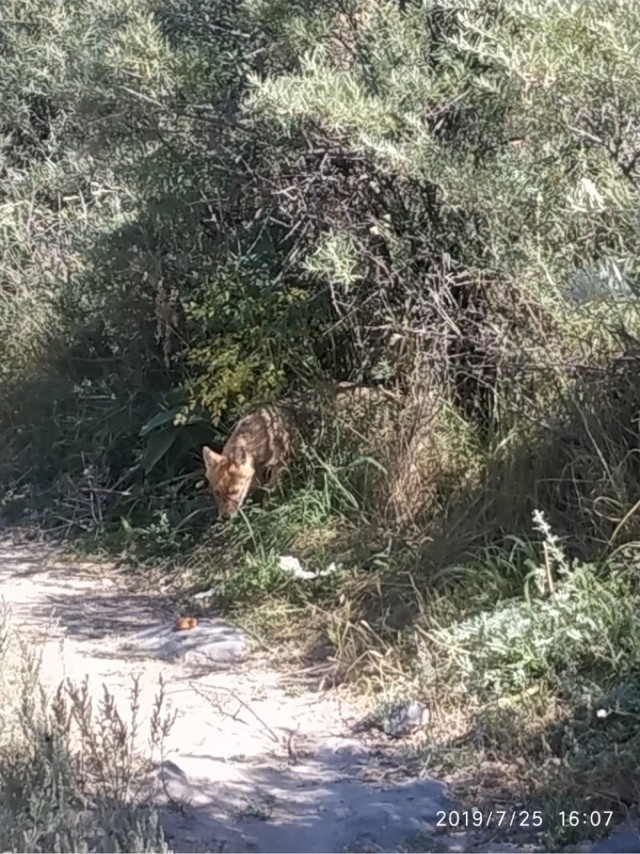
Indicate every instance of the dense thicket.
{"type": "Point", "coordinates": [206, 204]}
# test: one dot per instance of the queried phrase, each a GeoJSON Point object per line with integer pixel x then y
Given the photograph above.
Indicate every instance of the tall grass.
{"type": "Point", "coordinates": [71, 775]}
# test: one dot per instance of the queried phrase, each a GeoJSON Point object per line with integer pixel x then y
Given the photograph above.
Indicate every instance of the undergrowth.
{"type": "Point", "coordinates": [72, 769]}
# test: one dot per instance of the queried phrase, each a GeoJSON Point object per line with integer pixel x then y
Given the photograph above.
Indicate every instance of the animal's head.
{"type": "Point", "coordinates": [230, 479]}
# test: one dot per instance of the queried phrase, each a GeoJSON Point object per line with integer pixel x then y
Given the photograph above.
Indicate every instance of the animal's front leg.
{"type": "Point", "coordinates": [272, 480]}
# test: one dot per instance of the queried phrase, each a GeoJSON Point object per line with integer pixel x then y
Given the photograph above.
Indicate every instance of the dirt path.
{"type": "Point", "coordinates": [258, 762]}
{"type": "Point", "coordinates": [254, 761]}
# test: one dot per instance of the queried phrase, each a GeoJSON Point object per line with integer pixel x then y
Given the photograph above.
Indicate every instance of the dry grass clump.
{"type": "Point", "coordinates": [71, 772]}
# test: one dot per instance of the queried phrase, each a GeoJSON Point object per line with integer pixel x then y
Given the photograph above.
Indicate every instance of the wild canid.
{"type": "Point", "coordinates": [261, 445]}
{"type": "Point", "coordinates": [256, 452]}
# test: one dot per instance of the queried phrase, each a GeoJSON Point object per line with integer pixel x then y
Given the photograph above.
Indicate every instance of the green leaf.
{"type": "Point", "coordinates": [158, 447]}
{"type": "Point", "coordinates": [159, 420]}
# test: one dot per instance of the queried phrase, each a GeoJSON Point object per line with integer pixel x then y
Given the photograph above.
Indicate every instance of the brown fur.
{"type": "Point", "coordinates": [257, 451]}
{"type": "Point", "coordinates": [261, 445]}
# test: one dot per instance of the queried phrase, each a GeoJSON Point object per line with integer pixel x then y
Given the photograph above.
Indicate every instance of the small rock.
{"type": "Point", "coordinates": [211, 641]}
{"type": "Point", "coordinates": [396, 719]}
{"type": "Point", "coordinates": [405, 718]}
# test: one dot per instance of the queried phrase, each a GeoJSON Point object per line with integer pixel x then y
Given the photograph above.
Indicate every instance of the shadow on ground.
{"type": "Point", "coordinates": [318, 806]}
{"type": "Point", "coordinates": [42, 589]}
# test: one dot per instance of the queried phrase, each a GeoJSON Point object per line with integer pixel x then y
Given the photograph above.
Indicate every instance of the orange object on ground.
{"type": "Point", "coordinates": [184, 623]}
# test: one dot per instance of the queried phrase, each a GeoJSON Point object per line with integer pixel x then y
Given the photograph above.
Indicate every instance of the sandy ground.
{"type": "Point", "coordinates": [256, 760]}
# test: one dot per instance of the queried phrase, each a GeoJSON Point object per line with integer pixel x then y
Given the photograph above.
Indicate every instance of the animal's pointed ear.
{"type": "Point", "coordinates": [211, 459]}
